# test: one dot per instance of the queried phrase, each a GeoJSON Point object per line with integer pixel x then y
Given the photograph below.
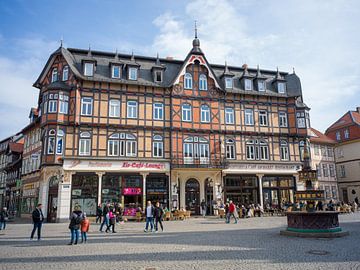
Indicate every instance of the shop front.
{"type": "Point", "coordinates": [278, 191]}
{"type": "Point", "coordinates": [29, 198]}
{"type": "Point", "coordinates": [241, 189]}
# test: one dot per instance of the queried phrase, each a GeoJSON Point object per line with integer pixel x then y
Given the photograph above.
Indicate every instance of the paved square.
{"type": "Point", "coordinates": [192, 244]}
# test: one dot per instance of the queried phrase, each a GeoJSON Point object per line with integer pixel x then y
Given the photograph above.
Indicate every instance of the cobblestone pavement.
{"type": "Point", "coordinates": [192, 244]}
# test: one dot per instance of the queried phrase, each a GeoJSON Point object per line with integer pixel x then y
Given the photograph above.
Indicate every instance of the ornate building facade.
{"type": "Point", "coordinates": [127, 129]}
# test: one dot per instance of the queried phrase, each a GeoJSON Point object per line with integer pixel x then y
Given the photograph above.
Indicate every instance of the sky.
{"type": "Point", "coordinates": [319, 39]}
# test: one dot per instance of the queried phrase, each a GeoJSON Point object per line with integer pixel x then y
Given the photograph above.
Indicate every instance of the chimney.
{"type": "Point", "coordinates": [358, 109]}
{"type": "Point", "coordinates": [169, 58]}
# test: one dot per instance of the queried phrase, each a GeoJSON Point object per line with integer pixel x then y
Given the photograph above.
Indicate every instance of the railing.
{"type": "Point", "coordinates": [198, 162]}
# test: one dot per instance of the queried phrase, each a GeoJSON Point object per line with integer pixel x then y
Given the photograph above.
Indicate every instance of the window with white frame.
{"type": "Point", "coordinates": [332, 170]}
{"type": "Point", "coordinates": [283, 119]}
{"type": "Point", "coordinates": [342, 171]}
{"type": "Point", "coordinates": [338, 136]}
{"type": "Point", "coordinates": [86, 106]}
{"type": "Point", "coordinates": [203, 82]}
{"type": "Point", "coordinates": [115, 72]}
{"type": "Point", "coordinates": [205, 114]}
{"type": "Point", "coordinates": [228, 83]}
{"type": "Point", "coordinates": [316, 150]}
{"type": "Point", "coordinates": [89, 69]}
{"type": "Point", "coordinates": [196, 148]}
{"type": "Point", "coordinates": [261, 86]}
{"type": "Point", "coordinates": [300, 116]}
{"type": "Point", "coordinates": [229, 116]}
{"type": "Point", "coordinates": [281, 87]}
{"type": "Point", "coordinates": [114, 108]}
{"type": "Point", "coordinates": [263, 118]}
{"type": "Point", "coordinates": [301, 149]}
{"type": "Point", "coordinates": [158, 146]}
{"type": "Point", "coordinates": [59, 142]}
{"type": "Point", "coordinates": [248, 84]}
{"type": "Point", "coordinates": [346, 134]}
{"type": "Point", "coordinates": [284, 150]}
{"type": "Point", "coordinates": [325, 170]}
{"type": "Point", "coordinates": [318, 170]}
{"type": "Point", "coordinates": [323, 151]}
{"type": "Point", "coordinates": [132, 109]}
{"type": "Point", "coordinates": [133, 73]}
{"type": "Point", "coordinates": [122, 144]}
{"type": "Point", "coordinates": [113, 144]}
{"type": "Point", "coordinates": [334, 192]}
{"type": "Point", "coordinates": [65, 73]}
{"type": "Point", "coordinates": [330, 151]}
{"type": "Point", "coordinates": [131, 146]}
{"type": "Point", "coordinates": [186, 112]}
{"type": "Point", "coordinates": [257, 149]}
{"type": "Point", "coordinates": [249, 117]}
{"type": "Point", "coordinates": [51, 142]}
{"type": "Point", "coordinates": [52, 106]}
{"type": "Point", "coordinates": [54, 75]}
{"type": "Point", "coordinates": [63, 104]}
{"type": "Point", "coordinates": [158, 76]}
{"type": "Point", "coordinates": [188, 81]}
{"type": "Point", "coordinates": [84, 144]}
{"type": "Point", "coordinates": [158, 111]}
{"type": "Point", "coordinates": [230, 149]}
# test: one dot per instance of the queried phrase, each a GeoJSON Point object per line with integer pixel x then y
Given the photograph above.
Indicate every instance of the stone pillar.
{"type": "Point", "coordinates": [64, 198]}
{"type": "Point", "coordinates": [182, 193]}
{"type": "Point", "coordinates": [144, 175]}
{"type": "Point", "coordinates": [100, 175]}
{"type": "Point", "coordinates": [260, 176]}
{"type": "Point", "coordinates": [43, 196]}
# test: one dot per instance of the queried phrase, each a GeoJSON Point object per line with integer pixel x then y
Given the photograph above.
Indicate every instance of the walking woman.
{"type": "Point", "coordinates": [158, 215]}
{"type": "Point", "coordinates": [112, 221]}
{"type": "Point", "coordinates": [75, 222]}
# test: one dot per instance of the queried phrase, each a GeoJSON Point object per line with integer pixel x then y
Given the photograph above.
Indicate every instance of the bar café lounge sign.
{"type": "Point", "coordinates": [93, 165]}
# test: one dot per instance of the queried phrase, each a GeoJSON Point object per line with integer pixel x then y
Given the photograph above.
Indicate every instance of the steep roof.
{"type": "Point", "coordinates": [318, 137]}
{"type": "Point", "coordinates": [349, 118]}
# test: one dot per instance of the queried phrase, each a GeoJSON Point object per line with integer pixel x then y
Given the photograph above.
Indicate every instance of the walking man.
{"type": "Point", "coordinates": [4, 217]}
{"type": "Point", "coordinates": [38, 219]}
{"type": "Point", "coordinates": [158, 215]}
{"type": "Point", "coordinates": [105, 212]}
{"type": "Point", "coordinates": [149, 214]}
{"type": "Point", "coordinates": [232, 211]}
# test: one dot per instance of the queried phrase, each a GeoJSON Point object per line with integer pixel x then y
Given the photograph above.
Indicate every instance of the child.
{"type": "Point", "coordinates": [85, 224]}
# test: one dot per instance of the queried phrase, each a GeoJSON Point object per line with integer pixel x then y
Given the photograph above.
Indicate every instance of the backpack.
{"type": "Point", "coordinates": [78, 219]}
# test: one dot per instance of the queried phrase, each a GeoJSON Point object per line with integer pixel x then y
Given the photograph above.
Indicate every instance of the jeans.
{"type": "Point", "coordinates": [158, 220]}
{"type": "Point", "coordinates": [37, 225]}
{"type": "Point", "coordinates": [98, 219]}
{"type": "Point", "coordinates": [74, 235]}
{"type": "Point", "coordinates": [149, 220]}
{"type": "Point", "coordinates": [83, 237]}
{"type": "Point", "coordinates": [105, 221]}
{"type": "Point", "coordinates": [2, 225]}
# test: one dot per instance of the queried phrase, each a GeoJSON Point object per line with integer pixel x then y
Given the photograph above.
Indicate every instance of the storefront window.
{"type": "Point", "coordinates": [85, 192]}
{"type": "Point", "coordinates": [157, 189]}
{"type": "Point", "coordinates": [278, 191]}
{"type": "Point", "coordinates": [111, 188]}
{"type": "Point", "coordinates": [241, 189]}
{"type": "Point", "coordinates": [133, 194]}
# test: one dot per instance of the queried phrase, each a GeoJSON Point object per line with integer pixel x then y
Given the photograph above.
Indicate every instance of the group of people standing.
{"type": "Point", "coordinates": [154, 217]}
{"type": "Point", "coordinates": [109, 216]}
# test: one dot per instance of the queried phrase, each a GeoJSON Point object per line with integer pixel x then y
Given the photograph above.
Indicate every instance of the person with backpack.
{"type": "Point", "coordinates": [158, 215]}
{"type": "Point", "coordinates": [85, 225]}
{"type": "Point", "coordinates": [75, 222]}
{"type": "Point", "coordinates": [149, 215]}
{"type": "Point", "coordinates": [38, 219]}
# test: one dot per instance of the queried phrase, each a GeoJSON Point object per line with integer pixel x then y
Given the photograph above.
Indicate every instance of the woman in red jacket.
{"type": "Point", "coordinates": [85, 225]}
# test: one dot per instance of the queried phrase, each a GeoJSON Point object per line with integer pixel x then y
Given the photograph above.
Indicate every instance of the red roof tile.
{"type": "Point", "coordinates": [16, 147]}
{"type": "Point", "coordinates": [320, 137]}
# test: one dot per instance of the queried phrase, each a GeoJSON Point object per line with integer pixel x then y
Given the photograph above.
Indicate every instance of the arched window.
{"type": "Point", "coordinates": [257, 149]}
{"type": "Point", "coordinates": [158, 146]}
{"type": "Point", "coordinates": [230, 149]}
{"type": "Point", "coordinates": [186, 112]}
{"type": "Point", "coordinates": [301, 149]}
{"type": "Point", "coordinates": [84, 144]}
{"type": "Point", "coordinates": [203, 82]}
{"type": "Point", "coordinates": [205, 114]}
{"type": "Point", "coordinates": [122, 144]}
{"type": "Point", "coordinates": [196, 149]}
{"type": "Point", "coordinates": [284, 150]}
{"type": "Point", "coordinates": [54, 75]}
{"type": "Point", "coordinates": [188, 81]}
{"type": "Point", "coordinates": [65, 74]}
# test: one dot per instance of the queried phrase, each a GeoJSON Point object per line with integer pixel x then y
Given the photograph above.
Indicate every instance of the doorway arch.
{"type": "Point", "coordinates": [53, 198]}
{"type": "Point", "coordinates": [192, 196]}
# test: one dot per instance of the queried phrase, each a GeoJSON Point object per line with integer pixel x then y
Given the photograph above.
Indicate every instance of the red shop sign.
{"type": "Point", "coordinates": [132, 191]}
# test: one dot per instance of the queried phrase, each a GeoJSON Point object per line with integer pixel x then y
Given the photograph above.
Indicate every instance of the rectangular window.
{"type": "Point", "coordinates": [327, 192]}
{"type": "Point", "coordinates": [249, 117]}
{"type": "Point", "coordinates": [316, 150]}
{"type": "Point", "coordinates": [264, 151]}
{"type": "Point", "coordinates": [323, 151]}
{"type": "Point", "coordinates": [283, 119]}
{"type": "Point", "coordinates": [261, 86]}
{"type": "Point", "coordinates": [248, 84]}
{"type": "Point", "coordinates": [330, 152]}
{"type": "Point", "coordinates": [263, 118]}
{"type": "Point", "coordinates": [86, 106]}
{"type": "Point", "coordinates": [51, 145]}
{"type": "Point", "coordinates": [132, 109]}
{"type": "Point", "coordinates": [230, 151]}
{"type": "Point", "coordinates": [158, 111]}
{"type": "Point", "coordinates": [342, 171]}
{"type": "Point", "coordinates": [89, 69]}
{"type": "Point", "coordinates": [186, 112]}
{"type": "Point", "coordinates": [284, 153]}
{"type": "Point", "coordinates": [133, 73]}
{"type": "Point", "coordinates": [115, 72]}
{"type": "Point", "coordinates": [338, 136]}
{"type": "Point", "coordinates": [281, 87]}
{"type": "Point", "coordinates": [325, 170]}
{"type": "Point", "coordinates": [250, 152]}
{"type": "Point", "coordinates": [229, 116]}
{"type": "Point", "coordinates": [318, 170]}
{"type": "Point", "coordinates": [334, 192]}
{"type": "Point", "coordinates": [59, 145]}
{"type": "Point", "coordinates": [158, 149]}
{"type": "Point", "coordinates": [158, 76]}
{"type": "Point", "coordinates": [84, 147]}
{"type": "Point", "coordinates": [113, 148]}
{"type": "Point", "coordinates": [332, 170]}
{"type": "Point", "coordinates": [301, 122]}
{"type": "Point", "coordinates": [114, 108]}
{"type": "Point", "coordinates": [346, 134]}
{"type": "Point", "coordinates": [188, 153]}
{"type": "Point", "coordinates": [63, 106]}
{"type": "Point", "coordinates": [131, 148]}
{"type": "Point", "coordinates": [228, 83]}
{"type": "Point", "coordinates": [52, 106]}
{"type": "Point", "coordinates": [65, 73]}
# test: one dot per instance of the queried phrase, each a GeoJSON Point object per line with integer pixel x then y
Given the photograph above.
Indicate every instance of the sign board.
{"type": "Point", "coordinates": [308, 175]}
{"type": "Point", "coordinates": [312, 195]}
{"type": "Point", "coordinates": [262, 168]}
{"type": "Point", "coordinates": [132, 191]}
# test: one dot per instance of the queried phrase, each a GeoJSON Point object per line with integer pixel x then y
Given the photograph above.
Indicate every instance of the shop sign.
{"type": "Point", "coordinates": [310, 195]}
{"type": "Point", "coordinates": [65, 186]}
{"type": "Point", "coordinates": [265, 167]}
{"type": "Point", "coordinates": [132, 191]}
{"type": "Point", "coordinates": [76, 192]}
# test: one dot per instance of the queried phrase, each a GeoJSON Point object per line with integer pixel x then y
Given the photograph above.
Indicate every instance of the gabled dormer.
{"type": "Point", "coordinates": [132, 69]}
{"type": "Point", "coordinates": [259, 81]}
{"type": "Point", "coordinates": [279, 83]}
{"type": "Point", "coordinates": [246, 79]}
{"type": "Point", "coordinates": [89, 65]}
{"type": "Point", "coordinates": [116, 66]}
{"type": "Point", "coordinates": [227, 78]}
{"type": "Point", "coordinates": [157, 71]}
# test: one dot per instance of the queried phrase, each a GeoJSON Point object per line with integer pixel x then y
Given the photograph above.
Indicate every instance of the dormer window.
{"type": "Point", "coordinates": [89, 69]}
{"type": "Point", "coordinates": [115, 72]}
{"type": "Point", "coordinates": [54, 75]}
{"type": "Point", "coordinates": [248, 84]}
{"type": "Point", "coordinates": [133, 73]}
{"type": "Point", "coordinates": [261, 86]}
{"type": "Point", "coordinates": [65, 75]}
{"type": "Point", "coordinates": [202, 82]}
{"type": "Point", "coordinates": [158, 76]}
{"type": "Point", "coordinates": [281, 87]}
{"type": "Point", "coordinates": [188, 81]}
{"type": "Point", "coordinates": [228, 83]}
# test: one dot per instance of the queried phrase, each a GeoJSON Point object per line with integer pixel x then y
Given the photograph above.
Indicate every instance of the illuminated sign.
{"type": "Point", "coordinates": [316, 195]}
{"type": "Point", "coordinates": [132, 191]}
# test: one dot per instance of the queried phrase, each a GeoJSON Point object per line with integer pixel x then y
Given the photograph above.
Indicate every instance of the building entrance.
{"type": "Point", "coordinates": [192, 196]}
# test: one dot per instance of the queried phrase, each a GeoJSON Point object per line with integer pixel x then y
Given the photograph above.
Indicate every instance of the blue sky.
{"type": "Point", "coordinates": [320, 39]}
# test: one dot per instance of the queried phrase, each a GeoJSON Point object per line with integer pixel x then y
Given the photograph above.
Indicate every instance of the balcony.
{"type": "Point", "coordinates": [198, 162]}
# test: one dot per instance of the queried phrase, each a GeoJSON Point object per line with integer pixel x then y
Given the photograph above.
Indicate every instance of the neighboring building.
{"type": "Point", "coordinates": [30, 174]}
{"type": "Point", "coordinates": [3, 161]}
{"type": "Point", "coordinates": [129, 129]}
{"type": "Point", "coordinates": [346, 131]}
{"type": "Point", "coordinates": [323, 160]}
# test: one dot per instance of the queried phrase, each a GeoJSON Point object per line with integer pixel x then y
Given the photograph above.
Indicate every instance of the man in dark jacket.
{"type": "Point", "coordinates": [38, 219]}
{"type": "Point", "coordinates": [4, 216]}
{"type": "Point", "coordinates": [75, 221]}
{"type": "Point", "coordinates": [105, 216]}
{"type": "Point", "coordinates": [158, 215]}
{"type": "Point", "coordinates": [99, 213]}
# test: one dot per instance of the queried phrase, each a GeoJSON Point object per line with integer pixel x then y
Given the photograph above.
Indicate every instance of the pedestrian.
{"type": "Point", "coordinates": [203, 208]}
{"type": "Point", "coordinates": [320, 206]}
{"type": "Point", "coordinates": [112, 221]}
{"type": "Point", "coordinates": [38, 219]}
{"type": "Point", "coordinates": [75, 222]}
{"type": "Point", "coordinates": [118, 213]}
{"type": "Point", "coordinates": [149, 215]}
{"type": "Point", "coordinates": [99, 213]}
{"type": "Point", "coordinates": [227, 213]}
{"type": "Point", "coordinates": [85, 225]}
{"type": "Point", "coordinates": [158, 215]}
{"type": "Point", "coordinates": [232, 211]}
{"type": "Point", "coordinates": [4, 217]}
{"type": "Point", "coordinates": [105, 212]}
